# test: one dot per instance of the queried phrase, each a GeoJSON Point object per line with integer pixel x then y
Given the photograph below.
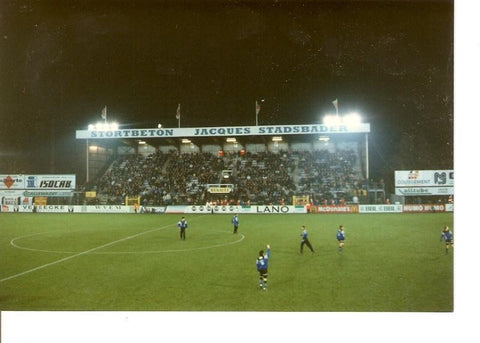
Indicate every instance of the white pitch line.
{"type": "Point", "coordinates": [80, 254]}
{"type": "Point", "coordinates": [15, 245]}
{"type": "Point", "coordinates": [172, 250]}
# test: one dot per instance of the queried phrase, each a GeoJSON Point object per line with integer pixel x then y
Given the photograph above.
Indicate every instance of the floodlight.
{"type": "Point", "coordinates": [331, 119]}
{"type": "Point", "coordinates": [352, 119]}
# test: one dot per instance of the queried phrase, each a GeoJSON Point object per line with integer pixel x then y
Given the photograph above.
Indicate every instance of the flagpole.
{"type": "Point", "coordinates": [335, 103]}
{"type": "Point", "coordinates": [178, 115]}
{"type": "Point", "coordinates": [104, 114]}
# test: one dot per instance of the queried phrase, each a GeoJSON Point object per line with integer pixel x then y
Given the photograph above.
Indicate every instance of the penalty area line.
{"type": "Point", "coordinates": [79, 254]}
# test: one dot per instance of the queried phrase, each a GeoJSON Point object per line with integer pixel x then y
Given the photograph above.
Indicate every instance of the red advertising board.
{"type": "Point", "coordinates": [334, 209]}
{"type": "Point", "coordinates": [422, 208]}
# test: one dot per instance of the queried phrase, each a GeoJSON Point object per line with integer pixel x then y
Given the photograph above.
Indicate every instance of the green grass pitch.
{"type": "Point", "coordinates": [391, 262]}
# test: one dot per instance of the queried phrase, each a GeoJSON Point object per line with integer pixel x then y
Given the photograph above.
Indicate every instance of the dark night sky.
{"type": "Point", "coordinates": [62, 62]}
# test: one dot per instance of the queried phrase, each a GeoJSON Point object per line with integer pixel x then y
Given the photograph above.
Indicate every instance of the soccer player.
{"type": "Point", "coordinates": [340, 238]}
{"type": "Point", "coordinates": [182, 225]}
{"type": "Point", "coordinates": [235, 223]}
{"type": "Point", "coordinates": [262, 268]}
{"type": "Point", "coordinates": [447, 236]}
{"type": "Point", "coordinates": [305, 240]}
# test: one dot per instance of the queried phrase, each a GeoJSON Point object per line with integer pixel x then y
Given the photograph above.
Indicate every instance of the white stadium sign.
{"type": "Point", "coordinates": [424, 182]}
{"type": "Point", "coordinates": [424, 178]}
{"type": "Point", "coordinates": [305, 129]}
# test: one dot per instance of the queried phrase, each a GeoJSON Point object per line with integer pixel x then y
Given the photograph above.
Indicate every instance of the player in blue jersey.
{"type": "Point", "coordinates": [447, 236]}
{"type": "Point", "coordinates": [340, 238]}
{"type": "Point", "coordinates": [235, 223]}
{"type": "Point", "coordinates": [305, 240]}
{"type": "Point", "coordinates": [262, 268]}
{"type": "Point", "coordinates": [182, 225]}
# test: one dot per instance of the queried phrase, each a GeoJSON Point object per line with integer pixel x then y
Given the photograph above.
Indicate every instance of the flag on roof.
{"type": "Point", "coordinates": [178, 112]}
{"type": "Point", "coordinates": [104, 113]}
{"type": "Point", "coordinates": [335, 103]}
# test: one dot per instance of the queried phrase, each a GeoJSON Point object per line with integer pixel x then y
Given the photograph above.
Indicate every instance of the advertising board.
{"type": "Point", "coordinates": [305, 129]}
{"type": "Point", "coordinates": [424, 178]}
{"type": "Point", "coordinates": [335, 209]}
{"type": "Point", "coordinates": [55, 185]}
{"type": "Point", "coordinates": [380, 208]}
{"type": "Point", "coordinates": [422, 208]}
{"type": "Point", "coordinates": [12, 181]}
{"type": "Point", "coordinates": [406, 191]}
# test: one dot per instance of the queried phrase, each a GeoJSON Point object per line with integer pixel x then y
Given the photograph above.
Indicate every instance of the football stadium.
{"type": "Point", "coordinates": [233, 167]}
{"type": "Point", "coordinates": [113, 243]}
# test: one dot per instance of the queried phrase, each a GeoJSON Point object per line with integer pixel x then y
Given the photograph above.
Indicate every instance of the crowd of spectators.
{"type": "Point", "coordinates": [265, 178]}
{"type": "Point", "coordinates": [161, 178]}
{"type": "Point", "coordinates": [255, 178]}
{"type": "Point", "coordinates": [124, 178]}
{"type": "Point", "coordinates": [330, 178]}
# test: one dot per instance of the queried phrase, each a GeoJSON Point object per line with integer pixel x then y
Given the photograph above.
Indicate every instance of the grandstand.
{"type": "Point", "coordinates": [254, 165]}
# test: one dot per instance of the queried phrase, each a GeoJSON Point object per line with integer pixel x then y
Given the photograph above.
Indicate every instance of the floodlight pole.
{"type": "Point", "coordinates": [87, 175]}
{"type": "Point", "coordinates": [367, 172]}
